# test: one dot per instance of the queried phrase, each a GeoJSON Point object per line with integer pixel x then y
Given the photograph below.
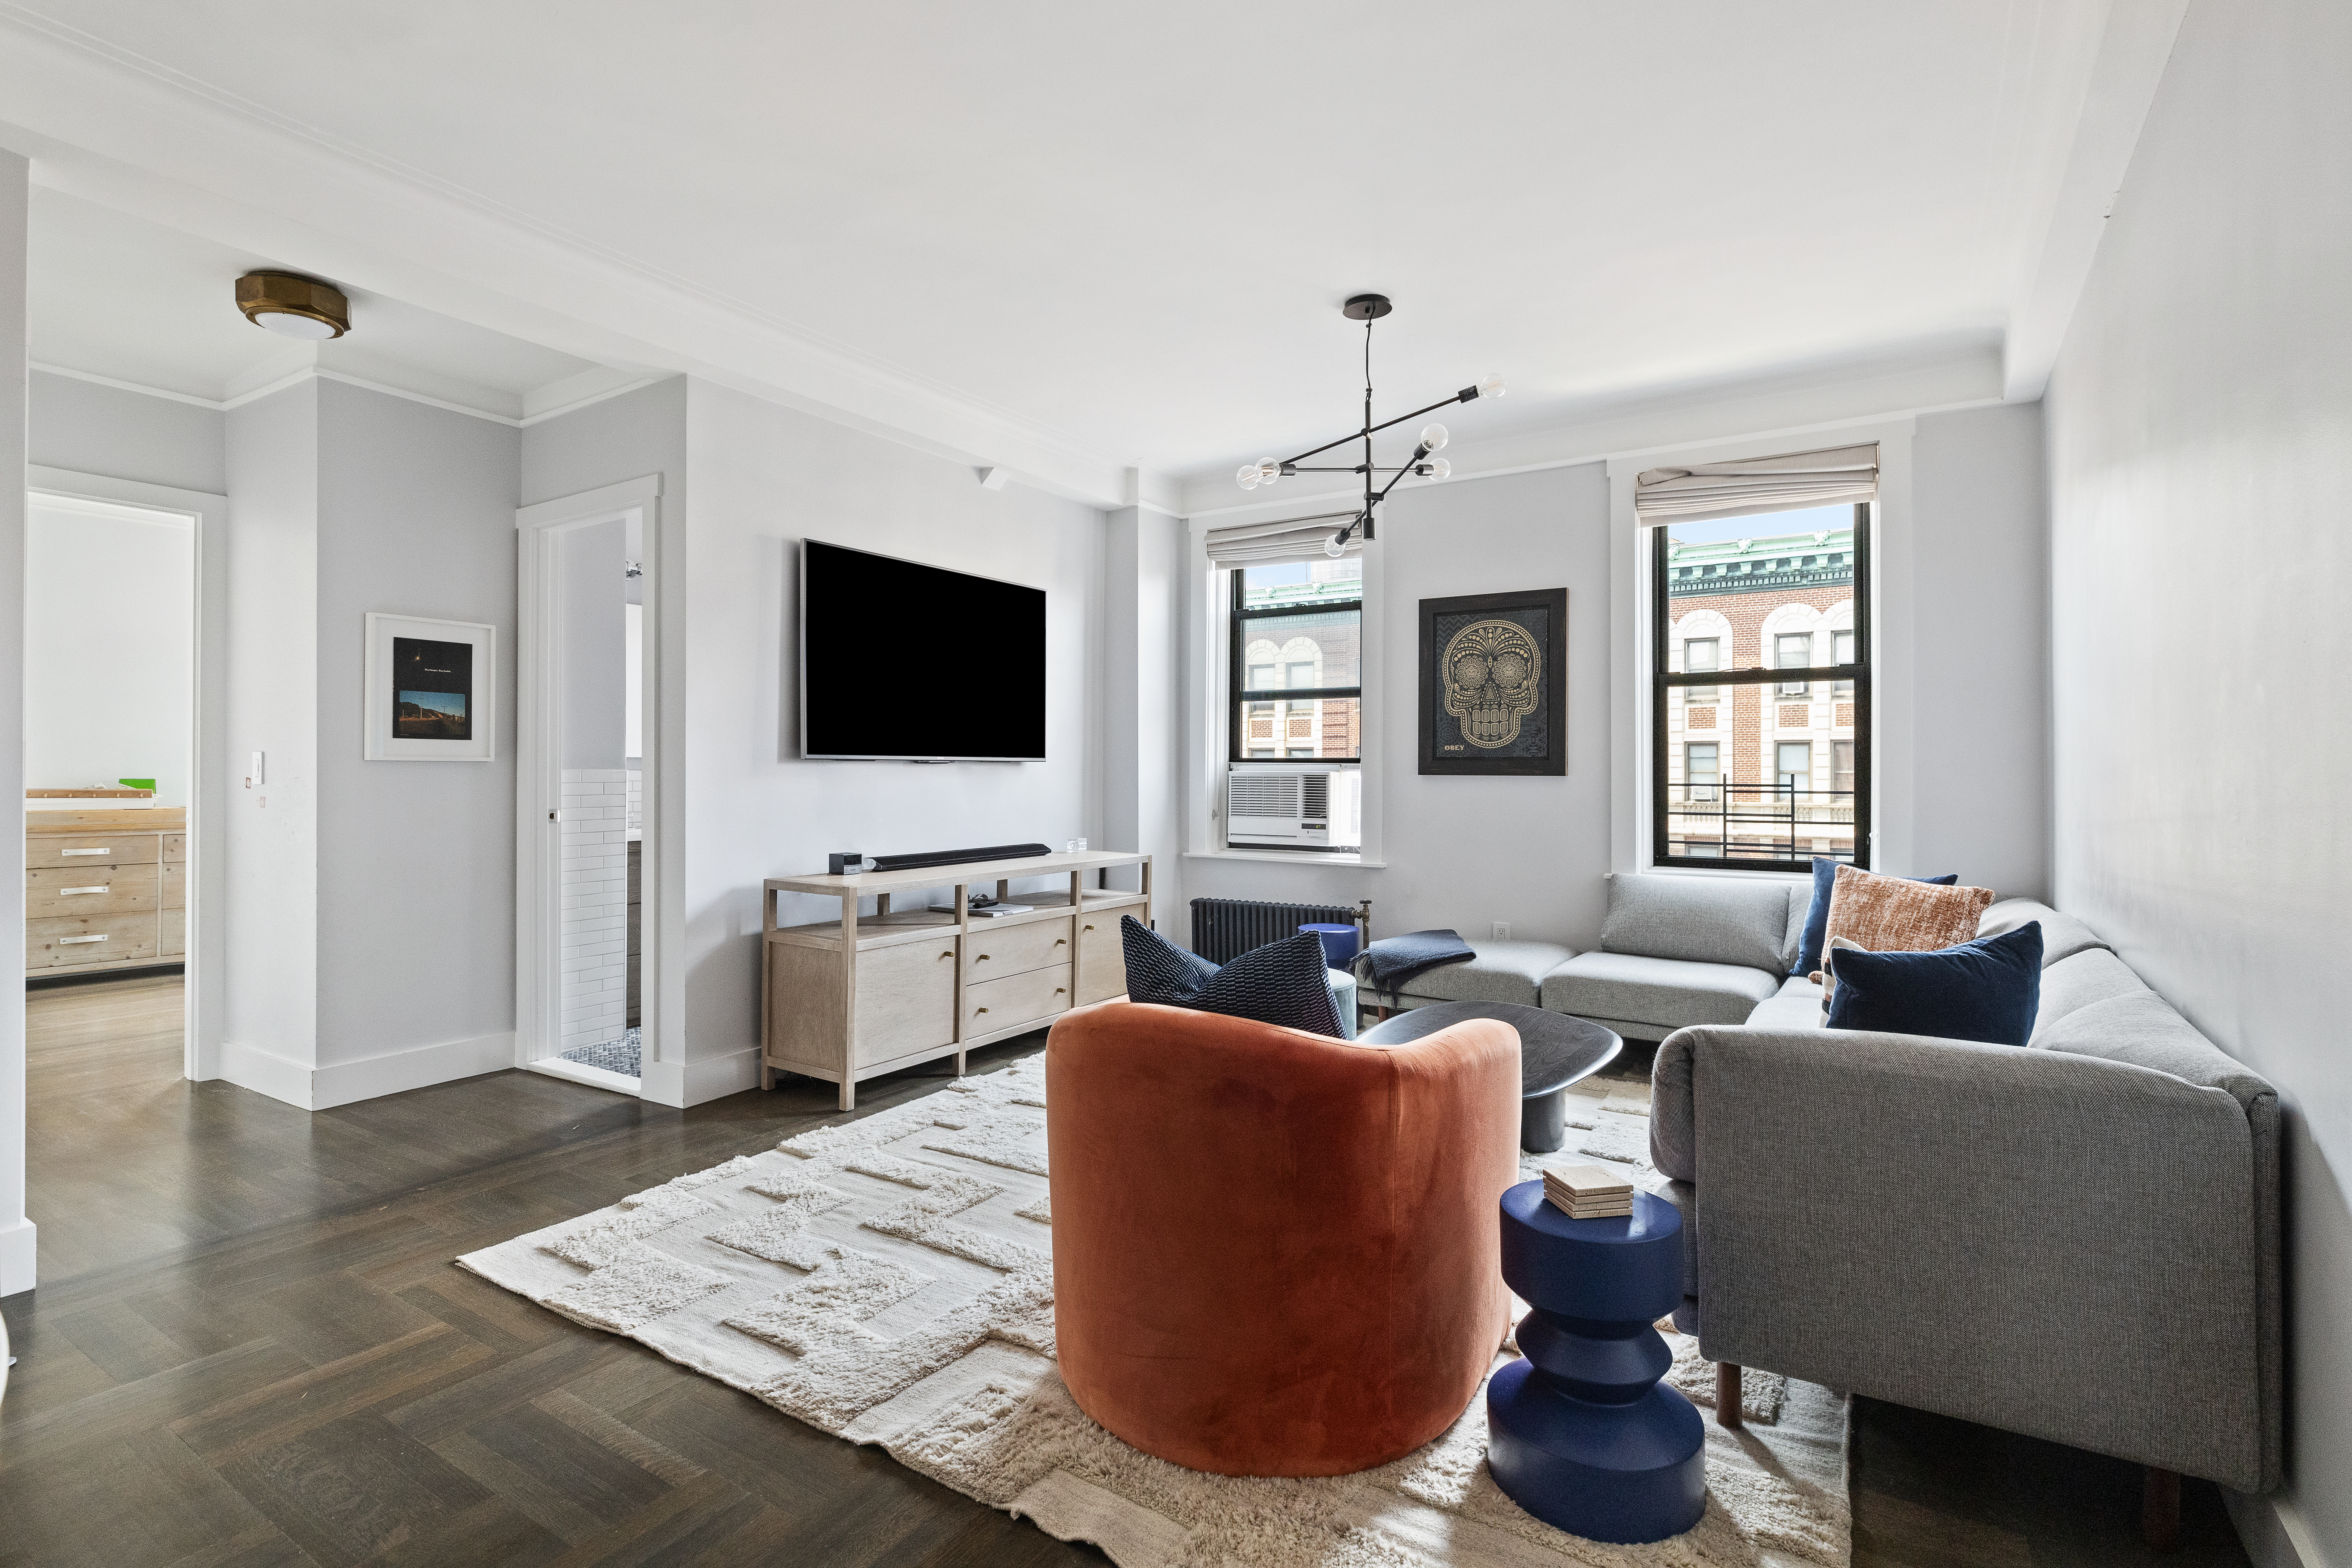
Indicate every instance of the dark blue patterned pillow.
{"type": "Point", "coordinates": [1157, 969]}
{"type": "Point", "coordinates": [1283, 983]}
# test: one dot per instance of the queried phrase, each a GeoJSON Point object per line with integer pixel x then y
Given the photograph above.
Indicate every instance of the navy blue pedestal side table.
{"type": "Point", "coordinates": [1579, 1432]}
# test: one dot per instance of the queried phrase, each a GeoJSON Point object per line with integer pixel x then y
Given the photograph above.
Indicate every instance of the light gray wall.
{"type": "Point", "coordinates": [415, 859]}
{"type": "Point", "coordinates": [765, 478]}
{"type": "Point", "coordinates": [643, 432]}
{"type": "Point", "coordinates": [1981, 666]}
{"type": "Point", "coordinates": [1142, 704]}
{"type": "Point", "coordinates": [2201, 461]}
{"type": "Point", "coordinates": [272, 839]}
{"type": "Point", "coordinates": [593, 591]}
{"type": "Point", "coordinates": [16, 1232]}
{"type": "Point", "coordinates": [1467, 852]}
{"type": "Point", "coordinates": [125, 435]}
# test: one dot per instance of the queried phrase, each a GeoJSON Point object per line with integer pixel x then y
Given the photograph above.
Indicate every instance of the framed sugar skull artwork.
{"type": "Point", "coordinates": [1494, 683]}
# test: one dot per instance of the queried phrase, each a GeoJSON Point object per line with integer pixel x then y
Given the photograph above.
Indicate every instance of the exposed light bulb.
{"type": "Point", "coordinates": [1432, 436]}
{"type": "Point", "coordinates": [1436, 469]}
{"type": "Point", "coordinates": [1491, 387]}
{"type": "Point", "coordinates": [1268, 470]}
{"type": "Point", "coordinates": [1246, 476]}
{"type": "Point", "coordinates": [1335, 546]}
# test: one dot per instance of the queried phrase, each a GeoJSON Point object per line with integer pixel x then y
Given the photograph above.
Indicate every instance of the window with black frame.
{"type": "Point", "coordinates": [1760, 681]}
{"type": "Point", "coordinates": [1298, 662]}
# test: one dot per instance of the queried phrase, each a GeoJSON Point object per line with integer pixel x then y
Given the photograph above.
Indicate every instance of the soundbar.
{"type": "Point", "coordinates": [958, 856]}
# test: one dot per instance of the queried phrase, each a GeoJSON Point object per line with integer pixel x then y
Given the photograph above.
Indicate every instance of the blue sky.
{"type": "Point", "coordinates": [438, 701]}
{"type": "Point", "coordinates": [1768, 525]}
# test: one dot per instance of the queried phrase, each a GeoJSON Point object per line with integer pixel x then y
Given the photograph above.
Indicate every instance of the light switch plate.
{"type": "Point", "coordinates": [1502, 930]}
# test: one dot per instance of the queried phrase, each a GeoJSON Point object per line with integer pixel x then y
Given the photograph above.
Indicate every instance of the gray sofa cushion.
{"type": "Point", "coordinates": [2093, 974]}
{"type": "Point", "coordinates": [1800, 904]}
{"type": "Point", "coordinates": [1703, 919]}
{"type": "Point", "coordinates": [1669, 993]}
{"type": "Point", "coordinates": [2142, 1030]}
{"type": "Point", "coordinates": [2063, 936]}
{"type": "Point", "coordinates": [1797, 1006]}
{"type": "Point", "coordinates": [1503, 972]}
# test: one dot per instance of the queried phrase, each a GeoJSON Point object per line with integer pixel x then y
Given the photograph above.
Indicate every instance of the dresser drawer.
{"type": "Point", "coordinates": [89, 939]}
{"type": "Point", "coordinates": [175, 849]}
{"type": "Point", "coordinates": [1015, 1000]}
{"type": "Point", "coordinates": [175, 934]}
{"type": "Point", "coordinates": [990, 955]}
{"type": "Point", "coordinates": [92, 849]}
{"type": "Point", "coordinates": [82, 890]}
{"type": "Point", "coordinates": [176, 886]}
{"type": "Point", "coordinates": [1102, 967]}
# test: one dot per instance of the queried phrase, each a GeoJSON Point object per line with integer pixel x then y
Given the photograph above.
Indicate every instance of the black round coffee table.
{"type": "Point", "coordinates": [1555, 1050]}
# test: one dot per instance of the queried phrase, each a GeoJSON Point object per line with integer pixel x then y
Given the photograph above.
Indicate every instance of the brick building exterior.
{"type": "Point", "coordinates": [1314, 647]}
{"type": "Point", "coordinates": [1761, 771]}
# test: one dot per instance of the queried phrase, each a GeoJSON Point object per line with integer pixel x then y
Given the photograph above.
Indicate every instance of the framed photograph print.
{"type": "Point", "coordinates": [432, 691]}
{"type": "Point", "coordinates": [1494, 683]}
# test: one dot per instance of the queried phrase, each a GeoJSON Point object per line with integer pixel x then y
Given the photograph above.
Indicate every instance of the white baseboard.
{"type": "Point", "coordinates": [345, 1083]}
{"type": "Point", "coordinates": [682, 1084]}
{"type": "Point", "coordinates": [2273, 1530]}
{"type": "Point", "coordinates": [18, 1257]}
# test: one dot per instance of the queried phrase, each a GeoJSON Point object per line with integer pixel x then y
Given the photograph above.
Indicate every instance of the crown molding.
{"type": "Point", "coordinates": [110, 126]}
{"type": "Point", "coordinates": [1931, 378]}
{"type": "Point", "coordinates": [246, 394]}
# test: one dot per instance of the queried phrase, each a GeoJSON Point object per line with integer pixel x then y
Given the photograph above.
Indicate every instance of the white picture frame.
{"type": "Point", "coordinates": [411, 659]}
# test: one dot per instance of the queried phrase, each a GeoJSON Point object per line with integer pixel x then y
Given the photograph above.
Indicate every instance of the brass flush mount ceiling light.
{"type": "Point", "coordinates": [293, 306]}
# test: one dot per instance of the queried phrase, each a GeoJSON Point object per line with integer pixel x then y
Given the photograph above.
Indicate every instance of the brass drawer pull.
{"type": "Point", "coordinates": [976, 1012]}
{"type": "Point", "coordinates": [948, 953]}
{"type": "Point", "coordinates": [64, 940]}
{"type": "Point", "coordinates": [1058, 990]}
{"type": "Point", "coordinates": [1062, 940]}
{"type": "Point", "coordinates": [981, 959]}
{"type": "Point", "coordinates": [69, 892]}
{"type": "Point", "coordinates": [99, 851]}
{"type": "Point", "coordinates": [1086, 927]}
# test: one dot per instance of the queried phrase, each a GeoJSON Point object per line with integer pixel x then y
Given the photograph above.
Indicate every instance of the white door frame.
{"type": "Point", "coordinates": [539, 786]}
{"type": "Point", "coordinates": [207, 952]}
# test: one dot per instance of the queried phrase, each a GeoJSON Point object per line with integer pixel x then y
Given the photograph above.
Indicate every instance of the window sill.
{"type": "Point", "coordinates": [1710, 873]}
{"type": "Point", "coordinates": [1286, 858]}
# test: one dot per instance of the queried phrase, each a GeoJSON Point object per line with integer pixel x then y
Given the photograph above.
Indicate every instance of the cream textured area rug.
{"type": "Point", "coordinates": [890, 1280]}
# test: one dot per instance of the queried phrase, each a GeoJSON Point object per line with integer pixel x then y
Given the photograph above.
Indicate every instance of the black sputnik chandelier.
{"type": "Point", "coordinates": [1422, 464]}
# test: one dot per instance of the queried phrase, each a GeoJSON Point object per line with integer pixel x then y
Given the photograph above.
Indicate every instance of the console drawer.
{"type": "Point", "coordinates": [1015, 1000]}
{"type": "Point", "coordinates": [51, 891]}
{"type": "Point", "coordinates": [991, 954]}
{"type": "Point", "coordinates": [89, 939]}
{"type": "Point", "coordinates": [92, 849]}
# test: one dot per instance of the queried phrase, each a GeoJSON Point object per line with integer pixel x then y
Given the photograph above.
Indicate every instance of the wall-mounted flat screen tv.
{"type": "Point", "coordinates": [905, 662]}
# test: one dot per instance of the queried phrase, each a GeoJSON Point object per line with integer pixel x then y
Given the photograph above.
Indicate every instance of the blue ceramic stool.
{"type": "Point", "coordinates": [1579, 1432]}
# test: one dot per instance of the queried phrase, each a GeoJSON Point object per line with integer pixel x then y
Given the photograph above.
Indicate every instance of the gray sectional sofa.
{"type": "Point", "coordinates": [2077, 1239]}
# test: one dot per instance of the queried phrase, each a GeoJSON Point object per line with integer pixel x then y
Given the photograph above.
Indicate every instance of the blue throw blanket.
{"type": "Point", "coordinates": [1392, 962]}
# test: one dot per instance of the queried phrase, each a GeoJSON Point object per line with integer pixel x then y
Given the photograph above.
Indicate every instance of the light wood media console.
{"type": "Point", "coordinates": [855, 998]}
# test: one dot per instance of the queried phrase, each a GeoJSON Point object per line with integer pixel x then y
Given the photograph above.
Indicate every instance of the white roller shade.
{"type": "Point", "coordinates": [1787, 483]}
{"type": "Point", "coordinates": [1292, 539]}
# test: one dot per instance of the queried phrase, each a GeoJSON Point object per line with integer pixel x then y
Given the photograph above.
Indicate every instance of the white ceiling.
{"type": "Point", "coordinates": [1059, 228]}
{"type": "Point", "coordinates": [113, 295]}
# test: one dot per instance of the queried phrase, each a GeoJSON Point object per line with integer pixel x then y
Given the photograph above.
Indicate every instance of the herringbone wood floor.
{"type": "Point", "coordinates": [249, 1346]}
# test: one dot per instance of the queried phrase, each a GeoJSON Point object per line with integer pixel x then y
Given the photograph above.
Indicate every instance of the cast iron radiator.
{"type": "Point", "coordinates": [1224, 929]}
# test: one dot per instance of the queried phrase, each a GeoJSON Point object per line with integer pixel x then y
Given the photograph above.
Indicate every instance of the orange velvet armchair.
{"type": "Point", "coordinates": [1276, 1254]}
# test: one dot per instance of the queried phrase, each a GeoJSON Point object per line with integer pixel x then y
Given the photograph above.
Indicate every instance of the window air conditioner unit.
{"type": "Point", "coordinates": [1321, 809]}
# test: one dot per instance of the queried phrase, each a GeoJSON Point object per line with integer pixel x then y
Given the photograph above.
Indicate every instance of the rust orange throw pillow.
{"type": "Point", "coordinates": [1894, 914]}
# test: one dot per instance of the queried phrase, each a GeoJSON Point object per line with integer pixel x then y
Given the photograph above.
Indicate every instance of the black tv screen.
{"type": "Point", "coordinates": [903, 661]}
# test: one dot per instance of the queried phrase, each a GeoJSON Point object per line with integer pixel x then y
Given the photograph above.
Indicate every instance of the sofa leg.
{"type": "Point", "coordinates": [1727, 1396]}
{"type": "Point", "coordinates": [2160, 1510]}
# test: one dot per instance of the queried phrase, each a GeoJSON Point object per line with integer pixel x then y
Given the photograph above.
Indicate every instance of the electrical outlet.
{"type": "Point", "coordinates": [1502, 930]}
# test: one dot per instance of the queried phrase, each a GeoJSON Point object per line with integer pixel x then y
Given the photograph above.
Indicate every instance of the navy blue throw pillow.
{"type": "Point", "coordinates": [1817, 918]}
{"type": "Point", "coordinates": [1988, 990]}
{"type": "Point", "coordinates": [1157, 969]}
{"type": "Point", "coordinates": [1283, 983]}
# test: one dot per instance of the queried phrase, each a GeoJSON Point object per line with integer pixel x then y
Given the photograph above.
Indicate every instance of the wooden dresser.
{"type": "Point", "coordinates": [105, 890]}
{"type": "Point", "coordinates": [857, 997]}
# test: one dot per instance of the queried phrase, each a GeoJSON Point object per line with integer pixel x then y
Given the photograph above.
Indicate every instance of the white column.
{"type": "Point", "coordinates": [1143, 700]}
{"type": "Point", "coordinates": [16, 1233]}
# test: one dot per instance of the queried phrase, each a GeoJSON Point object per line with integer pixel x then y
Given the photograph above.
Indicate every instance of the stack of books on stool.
{"type": "Point", "coordinates": [1587, 1192]}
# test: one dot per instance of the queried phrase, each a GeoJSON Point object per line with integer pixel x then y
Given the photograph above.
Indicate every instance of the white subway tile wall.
{"type": "Point", "coordinates": [599, 809]}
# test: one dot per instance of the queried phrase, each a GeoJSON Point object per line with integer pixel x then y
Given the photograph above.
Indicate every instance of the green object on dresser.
{"type": "Point", "coordinates": [136, 784]}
